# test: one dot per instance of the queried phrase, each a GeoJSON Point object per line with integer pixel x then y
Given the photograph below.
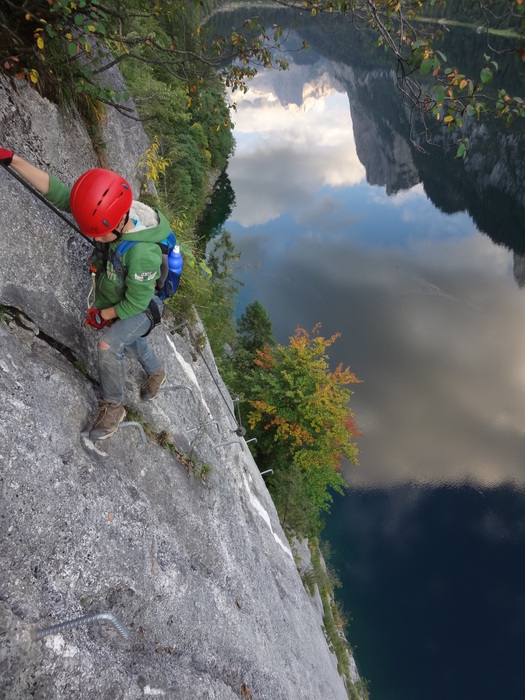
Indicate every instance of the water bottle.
{"type": "Point", "coordinates": [175, 261]}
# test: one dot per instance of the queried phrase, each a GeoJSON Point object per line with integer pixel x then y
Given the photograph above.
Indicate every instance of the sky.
{"type": "Point", "coordinates": [427, 306]}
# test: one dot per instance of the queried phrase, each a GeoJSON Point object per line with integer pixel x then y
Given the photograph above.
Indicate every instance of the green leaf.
{"type": "Point", "coordinates": [462, 151]}
{"type": "Point", "coordinates": [71, 49]}
{"type": "Point", "coordinates": [486, 76]}
{"type": "Point", "coordinates": [79, 19]}
{"type": "Point", "coordinates": [426, 66]}
{"type": "Point", "coordinates": [440, 95]}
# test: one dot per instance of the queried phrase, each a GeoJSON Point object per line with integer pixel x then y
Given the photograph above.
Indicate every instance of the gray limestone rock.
{"type": "Point", "coordinates": [199, 571]}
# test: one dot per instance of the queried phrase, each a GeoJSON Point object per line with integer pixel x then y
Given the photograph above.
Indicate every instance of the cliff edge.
{"type": "Point", "coordinates": [198, 572]}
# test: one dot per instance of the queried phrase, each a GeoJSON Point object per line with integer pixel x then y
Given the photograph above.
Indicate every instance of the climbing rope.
{"type": "Point", "coordinates": [240, 430]}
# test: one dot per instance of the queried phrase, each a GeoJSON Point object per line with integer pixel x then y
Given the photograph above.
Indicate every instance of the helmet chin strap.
{"type": "Point", "coordinates": [120, 233]}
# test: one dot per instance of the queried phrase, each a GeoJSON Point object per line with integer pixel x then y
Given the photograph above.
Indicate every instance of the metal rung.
{"type": "Point", "coordinates": [138, 425]}
{"type": "Point", "coordinates": [78, 621]}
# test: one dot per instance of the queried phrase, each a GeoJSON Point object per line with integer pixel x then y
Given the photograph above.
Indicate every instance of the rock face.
{"type": "Point", "coordinates": [198, 571]}
{"type": "Point", "coordinates": [380, 137]}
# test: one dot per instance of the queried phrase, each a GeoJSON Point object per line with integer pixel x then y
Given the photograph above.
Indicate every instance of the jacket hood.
{"type": "Point", "coordinates": [154, 225]}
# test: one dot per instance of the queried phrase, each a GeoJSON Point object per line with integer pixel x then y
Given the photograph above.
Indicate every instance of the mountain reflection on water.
{"type": "Point", "coordinates": [417, 260]}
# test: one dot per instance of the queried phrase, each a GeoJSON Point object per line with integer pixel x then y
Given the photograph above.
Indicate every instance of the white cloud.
{"type": "Point", "coordinates": [290, 152]}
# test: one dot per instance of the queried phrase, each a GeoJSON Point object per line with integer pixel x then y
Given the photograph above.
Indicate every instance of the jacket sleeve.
{"type": "Point", "coordinates": [58, 194]}
{"type": "Point", "coordinates": [143, 270]}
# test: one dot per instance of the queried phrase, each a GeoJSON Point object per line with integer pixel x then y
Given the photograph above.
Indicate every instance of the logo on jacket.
{"type": "Point", "coordinates": [145, 276]}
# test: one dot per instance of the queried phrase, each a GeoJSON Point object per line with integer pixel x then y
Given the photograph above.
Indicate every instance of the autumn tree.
{"type": "Point", "coordinates": [66, 47]}
{"type": "Point", "coordinates": [304, 426]}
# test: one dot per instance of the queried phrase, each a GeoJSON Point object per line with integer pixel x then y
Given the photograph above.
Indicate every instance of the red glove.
{"type": "Point", "coordinates": [6, 156]}
{"type": "Point", "coordinates": [94, 318]}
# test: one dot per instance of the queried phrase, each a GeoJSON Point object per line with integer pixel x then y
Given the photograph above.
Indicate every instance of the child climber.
{"type": "Point", "coordinates": [126, 309]}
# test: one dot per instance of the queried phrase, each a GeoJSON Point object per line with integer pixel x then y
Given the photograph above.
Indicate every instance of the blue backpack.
{"type": "Point", "coordinates": [170, 269]}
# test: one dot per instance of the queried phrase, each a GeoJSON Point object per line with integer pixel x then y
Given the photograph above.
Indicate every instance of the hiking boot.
{"type": "Point", "coordinates": [107, 420]}
{"type": "Point", "coordinates": [150, 388]}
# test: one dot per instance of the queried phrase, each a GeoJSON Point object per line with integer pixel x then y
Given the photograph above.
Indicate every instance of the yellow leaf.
{"type": "Point", "coordinates": [110, 517]}
{"type": "Point", "coordinates": [218, 127]}
{"type": "Point", "coordinates": [463, 84]}
{"type": "Point", "coordinates": [34, 78]}
{"type": "Point", "coordinates": [28, 16]}
{"type": "Point", "coordinates": [448, 119]}
{"type": "Point", "coordinates": [40, 42]}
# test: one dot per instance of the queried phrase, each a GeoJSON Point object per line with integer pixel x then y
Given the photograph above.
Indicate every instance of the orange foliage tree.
{"type": "Point", "coordinates": [304, 426]}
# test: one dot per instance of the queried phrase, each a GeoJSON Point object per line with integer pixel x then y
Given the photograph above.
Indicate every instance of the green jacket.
{"type": "Point", "coordinates": [141, 262]}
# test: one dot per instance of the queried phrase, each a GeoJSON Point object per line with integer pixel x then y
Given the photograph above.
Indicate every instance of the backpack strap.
{"type": "Point", "coordinates": [117, 256]}
{"type": "Point", "coordinates": [166, 246]}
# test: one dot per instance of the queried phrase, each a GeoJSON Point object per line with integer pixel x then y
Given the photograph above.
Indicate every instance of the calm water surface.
{"type": "Point", "coordinates": [429, 541]}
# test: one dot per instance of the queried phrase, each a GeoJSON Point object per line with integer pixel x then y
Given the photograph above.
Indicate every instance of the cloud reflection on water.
{"type": "Point", "coordinates": [430, 316]}
{"type": "Point", "coordinates": [298, 150]}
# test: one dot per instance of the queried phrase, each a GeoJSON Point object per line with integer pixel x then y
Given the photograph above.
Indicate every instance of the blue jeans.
{"type": "Point", "coordinates": [125, 335]}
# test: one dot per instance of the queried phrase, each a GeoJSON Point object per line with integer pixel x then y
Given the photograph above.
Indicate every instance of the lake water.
{"type": "Point", "coordinates": [429, 540]}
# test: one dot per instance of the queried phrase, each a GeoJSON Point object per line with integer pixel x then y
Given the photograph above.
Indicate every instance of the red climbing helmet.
{"type": "Point", "coordinates": [98, 200]}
